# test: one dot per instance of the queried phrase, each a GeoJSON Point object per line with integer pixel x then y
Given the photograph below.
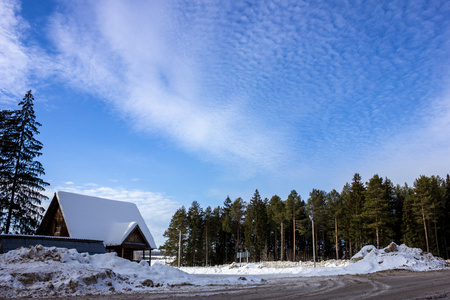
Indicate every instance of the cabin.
{"type": "Point", "coordinates": [118, 224]}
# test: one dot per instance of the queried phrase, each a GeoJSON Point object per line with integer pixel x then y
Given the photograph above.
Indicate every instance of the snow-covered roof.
{"type": "Point", "coordinates": [96, 218]}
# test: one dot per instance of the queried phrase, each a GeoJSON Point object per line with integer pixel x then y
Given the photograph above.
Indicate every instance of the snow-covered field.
{"type": "Point", "coordinates": [42, 271]}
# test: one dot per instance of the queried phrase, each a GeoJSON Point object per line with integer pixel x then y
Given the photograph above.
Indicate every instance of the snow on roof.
{"type": "Point", "coordinates": [96, 218]}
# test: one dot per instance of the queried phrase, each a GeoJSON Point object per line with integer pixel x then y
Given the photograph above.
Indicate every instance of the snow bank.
{"type": "Point", "coordinates": [368, 260]}
{"type": "Point", "coordinates": [49, 271]}
{"type": "Point", "coordinates": [396, 257]}
{"type": "Point", "coordinates": [41, 271]}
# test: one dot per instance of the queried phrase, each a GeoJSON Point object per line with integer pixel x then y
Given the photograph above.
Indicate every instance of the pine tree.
{"type": "Point", "coordinates": [346, 220]}
{"type": "Point", "coordinates": [293, 207]}
{"type": "Point", "coordinates": [446, 215]}
{"type": "Point", "coordinates": [334, 212]}
{"type": "Point", "coordinates": [237, 211]}
{"type": "Point", "coordinates": [316, 208]}
{"type": "Point", "coordinates": [208, 234]}
{"type": "Point", "coordinates": [20, 185]}
{"type": "Point", "coordinates": [178, 225]}
{"type": "Point", "coordinates": [411, 234]}
{"type": "Point", "coordinates": [375, 210]}
{"type": "Point", "coordinates": [194, 246]}
{"type": "Point", "coordinates": [423, 203]}
{"type": "Point", "coordinates": [277, 210]}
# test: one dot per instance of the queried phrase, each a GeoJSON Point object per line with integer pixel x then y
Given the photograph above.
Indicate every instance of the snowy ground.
{"type": "Point", "coordinates": [41, 271]}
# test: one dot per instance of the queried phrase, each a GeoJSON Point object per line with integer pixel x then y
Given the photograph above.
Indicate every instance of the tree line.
{"type": "Point", "coordinates": [20, 184]}
{"type": "Point", "coordinates": [376, 212]}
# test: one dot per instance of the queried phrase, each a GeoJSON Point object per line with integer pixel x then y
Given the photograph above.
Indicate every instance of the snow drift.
{"type": "Point", "coordinates": [368, 260]}
{"type": "Point", "coordinates": [49, 271]}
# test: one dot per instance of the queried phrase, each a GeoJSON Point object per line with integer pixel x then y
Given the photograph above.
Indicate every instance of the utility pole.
{"type": "Point", "coordinates": [314, 242]}
{"type": "Point", "coordinates": [179, 250]}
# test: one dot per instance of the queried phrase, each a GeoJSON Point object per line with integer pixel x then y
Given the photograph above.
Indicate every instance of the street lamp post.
{"type": "Point", "coordinates": [314, 242]}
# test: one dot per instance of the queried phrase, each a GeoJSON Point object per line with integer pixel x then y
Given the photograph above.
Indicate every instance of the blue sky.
{"type": "Point", "coordinates": [167, 102]}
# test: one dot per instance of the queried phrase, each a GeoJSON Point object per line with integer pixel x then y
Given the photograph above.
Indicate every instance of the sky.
{"type": "Point", "coordinates": [163, 103]}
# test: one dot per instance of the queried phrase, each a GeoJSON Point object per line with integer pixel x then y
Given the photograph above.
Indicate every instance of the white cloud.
{"type": "Point", "coordinates": [14, 61]}
{"type": "Point", "coordinates": [419, 150]}
{"type": "Point", "coordinates": [157, 209]}
{"type": "Point", "coordinates": [129, 56]}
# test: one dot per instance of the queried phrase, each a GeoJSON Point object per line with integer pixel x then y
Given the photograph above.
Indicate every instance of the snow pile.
{"type": "Point", "coordinates": [396, 257]}
{"type": "Point", "coordinates": [368, 260]}
{"type": "Point", "coordinates": [41, 271]}
{"type": "Point", "coordinates": [49, 271]}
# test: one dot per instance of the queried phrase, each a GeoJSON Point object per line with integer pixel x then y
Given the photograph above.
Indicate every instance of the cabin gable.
{"type": "Point", "coordinates": [53, 223]}
{"type": "Point", "coordinates": [136, 238]}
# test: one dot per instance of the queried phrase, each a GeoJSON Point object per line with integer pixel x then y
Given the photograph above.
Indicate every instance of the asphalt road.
{"type": "Point", "coordinates": [382, 285]}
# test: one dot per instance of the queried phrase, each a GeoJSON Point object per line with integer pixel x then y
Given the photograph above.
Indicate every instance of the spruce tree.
{"type": "Point", "coordinates": [355, 206]}
{"type": "Point", "coordinates": [256, 226]}
{"type": "Point", "coordinates": [21, 185]}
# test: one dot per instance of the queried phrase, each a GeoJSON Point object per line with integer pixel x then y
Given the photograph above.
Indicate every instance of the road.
{"type": "Point", "coordinates": [395, 284]}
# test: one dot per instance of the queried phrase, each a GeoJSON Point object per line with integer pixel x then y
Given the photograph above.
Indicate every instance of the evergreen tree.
{"type": "Point", "coordinates": [376, 207]}
{"type": "Point", "coordinates": [194, 247]}
{"type": "Point", "coordinates": [217, 237]}
{"type": "Point", "coordinates": [437, 193]}
{"type": "Point", "coordinates": [395, 210]}
{"type": "Point", "coordinates": [208, 234]}
{"type": "Point", "coordinates": [20, 184]}
{"type": "Point", "coordinates": [293, 207]}
{"type": "Point", "coordinates": [237, 211]}
{"type": "Point", "coordinates": [355, 207]}
{"type": "Point", "coordinates": [334, 212]}
{"type": "Point", "coordinates": [256, 226]}
{"type": "Point", "coordinates": [446, 215]}
{"type": "Point", "coordinates": [277, 209]}
{"type": "Point", "coordinates": [411, 234]}
{"type": "Point", "coordinates": [423, 204]}
{"type": "Point", "coordinates": [316, 208]}
{"type": "Point", "coordinates": [178, 224]}
{"type": "Point", "coordinates": [346, 219]}
{"type": "Point", "coordinates": [227, 237]}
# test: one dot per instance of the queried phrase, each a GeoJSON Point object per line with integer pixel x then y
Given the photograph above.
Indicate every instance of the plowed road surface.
{"type": "Point", "coordinates": [382, 285]}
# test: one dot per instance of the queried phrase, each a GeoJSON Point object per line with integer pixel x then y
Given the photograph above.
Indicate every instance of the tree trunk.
{"type": "Point", "coordinates": [316, 242]}
{"type": "Point", "coordinates": [276, 246]}
{"type": "Point", "coordinates": [350, 244]}
{"type": "Point", "coordinates": [435, 234]}
{"type": "Point", "coordinates": [206, 238]}
{"type": "Point", "coordinates": [336, 236]}
{"type": "Point", "coordinates": [282, 240]}
{"type": "Point", "coordinates": [293, 248]}
{"type": "Point", "coordinates": [376, 232]}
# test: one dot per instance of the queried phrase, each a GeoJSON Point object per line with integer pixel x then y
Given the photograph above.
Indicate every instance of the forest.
{"type": "Point", "coordinates": [376, 213]}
